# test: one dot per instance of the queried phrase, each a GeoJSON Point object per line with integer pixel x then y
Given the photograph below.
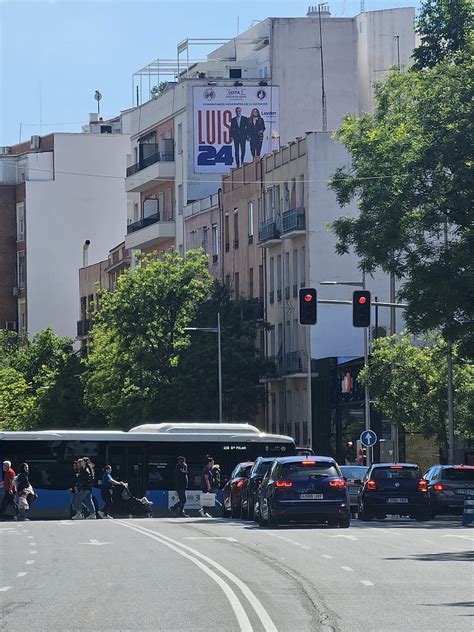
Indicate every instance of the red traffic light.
{"type": "Point", "coordinates": [308, 306]}
{"type": "Point", "coordinates": [308, 298]}
{"type": "Point", "coordinates": [362, 300]}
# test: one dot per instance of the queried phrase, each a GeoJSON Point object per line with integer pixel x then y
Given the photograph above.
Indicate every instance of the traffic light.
{"type": "Point", "coordinates": [361, 308]}
{"type": "Point", "coordinates": [308, 302]}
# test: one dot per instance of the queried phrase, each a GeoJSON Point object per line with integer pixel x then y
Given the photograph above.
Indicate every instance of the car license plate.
{"type": "Point", "coordinates": [465, 491]}
{"type": "Point", "coordinates": [311, 496]}
{"type": "Point", "coordinates": [397, 500]}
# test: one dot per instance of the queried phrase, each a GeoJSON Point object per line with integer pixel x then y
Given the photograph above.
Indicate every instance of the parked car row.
{"type": "Point", "coordinates": [309, 488]}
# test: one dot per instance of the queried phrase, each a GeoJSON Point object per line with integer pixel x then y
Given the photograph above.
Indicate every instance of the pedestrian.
{"type": "Point", "coordinates": [95, 502]}
{"type": "Point", "coordinates": [73, 489]}
{"type": "Point", "coordinates": [84, 482]}
{"type": "Point", "coordinates": [206, 483]}
{"type": "Point", "coordinates": [9, 488]}
{"type": "Point", "coordinates": [349, 453]}
{"type": "Point", "coordinates": [107, 491]}
{"type": "Point", "coordinates": [181, 485]}
{"type": "Point", "coordinates": [24, 490]}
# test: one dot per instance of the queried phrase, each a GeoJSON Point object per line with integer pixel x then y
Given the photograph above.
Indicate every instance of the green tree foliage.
{"type": "Point", "coordinates": [139, 334]}
{"type": "Point", "coordinates": [196, 380]}
{"type": "Point", "coordinates": [412, 174]}
{"type": "Point", "coordinates": [445, 28]}
{"type": "Point", "coordinates": [40, 383]}
{"type": "Point", "coordinates": [408, 384]}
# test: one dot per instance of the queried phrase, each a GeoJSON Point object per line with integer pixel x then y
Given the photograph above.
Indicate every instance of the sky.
{"type": "Point", "coordinates": [55, 54]}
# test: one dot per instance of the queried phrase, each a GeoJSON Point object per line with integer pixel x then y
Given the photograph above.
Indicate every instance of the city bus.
{"type": "Point", "coordinates": [144, 457]}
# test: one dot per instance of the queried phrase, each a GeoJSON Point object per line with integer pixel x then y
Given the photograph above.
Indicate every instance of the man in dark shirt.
{"type": "Point", "coordinates": [180, 485]}
{"type": "Point", "coordinates": [238, 133]}
{"type": "Point", "coordinates": [207, 480]}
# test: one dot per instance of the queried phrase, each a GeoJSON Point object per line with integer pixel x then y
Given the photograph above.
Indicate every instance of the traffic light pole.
{"type": "Point", "coordinates": [367, 397]}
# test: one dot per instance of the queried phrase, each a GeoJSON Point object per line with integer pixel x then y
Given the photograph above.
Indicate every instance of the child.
{"type": "Point", "coordinates": [23, 506]}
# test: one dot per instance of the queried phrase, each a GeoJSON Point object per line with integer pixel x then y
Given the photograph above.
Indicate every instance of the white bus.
{"type": "Point", "coordinates": [144, 457]}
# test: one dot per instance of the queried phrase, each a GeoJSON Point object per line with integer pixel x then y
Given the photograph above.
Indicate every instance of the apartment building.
{"type": "Point", "coordinates": [180, 138]}
{"type": "Point", "coordinates": [56, 192]}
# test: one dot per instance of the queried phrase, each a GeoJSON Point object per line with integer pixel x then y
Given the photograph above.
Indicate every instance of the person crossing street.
{"type": "Point", "coordinates": [181, 484]}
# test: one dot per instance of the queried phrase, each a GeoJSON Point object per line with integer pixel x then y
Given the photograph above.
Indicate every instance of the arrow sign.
{"type": "Point", "coordinates": [368, 438]}
{"type": "Point", "coordinates": [96, 543]}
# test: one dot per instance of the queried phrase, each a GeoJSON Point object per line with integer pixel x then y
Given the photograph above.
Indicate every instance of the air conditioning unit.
{"type": "Point", "coordinates": [16, 291]}
{"type": "Point", "coordinates": [5, 150]}
{"type": "Point", "coordinates": [35, 142]}
{"type": "Point", "coordinates": [10, 325]}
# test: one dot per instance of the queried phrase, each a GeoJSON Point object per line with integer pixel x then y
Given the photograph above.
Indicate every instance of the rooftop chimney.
{"type": "Point", "coordinates": [314, 13]}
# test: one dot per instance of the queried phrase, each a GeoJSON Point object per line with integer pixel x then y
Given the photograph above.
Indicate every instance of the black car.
{"type": "Point", "coordinates": [303, 489]}
{"type": "Point", "coordinates": [448, 486]}
{"type": "Point", "coordinates": [251, 484]}
{"type": "Point", "coordinates": [354, 475]}
{"type": "Point", "coordinates": [232, 488]}
{"type": "Point", "coordinates": [394, 488]}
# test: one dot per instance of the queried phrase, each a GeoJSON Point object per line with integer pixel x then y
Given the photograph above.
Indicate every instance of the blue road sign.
{"type": "Point", "coordinates": [368, 438]}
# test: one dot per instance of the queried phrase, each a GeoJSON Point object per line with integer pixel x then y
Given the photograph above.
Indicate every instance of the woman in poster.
{"type": "Point", "coordinates": [256, 128]}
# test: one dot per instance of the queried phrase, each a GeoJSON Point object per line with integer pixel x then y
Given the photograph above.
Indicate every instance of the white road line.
{"type": "Point", "coordinates": [328, 557]}
{"type": "Point", "coordinates": [32, 543]}
{"type": "Point", "coordinates": [262, 614]}
{"type": "Point", "coordinates": [30, 537]}
{"type": "Point", "coordinates": [347, 568]}
{"type": "Point", "coordinates": [429, 541]}
{"type": "Point", "coordinates": [366, 582]}
{"type": "Point", "coordinates": [21, 574]}
{"type": "Point", "coordinates": [5, 588]}
{"type": "Point", "coordinates": [32, 552]}
{"type": "Point", "coordinates": [30, 562]}
{"type": "Point", "coordinates": [308, 548]}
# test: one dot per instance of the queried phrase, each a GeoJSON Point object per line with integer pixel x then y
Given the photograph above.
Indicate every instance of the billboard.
{"type": "Point", "coordinates": [233, 125]}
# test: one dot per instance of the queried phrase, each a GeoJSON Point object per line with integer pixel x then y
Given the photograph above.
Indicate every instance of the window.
{"type": "Point", "coordinates": [286, 201]}
{"type": "Point", "coordinates": [235, 73]}
{"type": "Point", "coordinates": [261, 217]}
{"type": "Point", "coordinates": [21, 268]}
{"type": "Point", "coordinates": [180, 250]}
{"type": "Point", "coordinates": [136, 212]}
{"type": "Point", "coordinates": [251, 282]}
{"type": "Point", "coordinates": [269, 203]}
{"type": "Point", "coordinates": [250, 219]}
{"type": "Point", "coordinates": [22, 316]}
{"type": "Point", "coordinates": [279, 279]}
{"type": "Point", "coordinates": [295, 272]}
{"type": "Point", "coordinates": [302, 267]}
{"type": "Point", "coordinates": [273, 412]}
{"type": "Point", "coordinates": [227, 280]}
{"type": "Point", "coordinates": [180, 199]}
{"type": "Point", "coordinates": [301, 193]}
{"type": "Point", "coordinates": [237, 285]}
{"type": "Point", "coordinates": [192, 240]}
{"type": "Point", "coordinates": [272, 274]}
{"type": "Point", "coordinates": [293, 193]}
{"type": "Point", "coordinates": [20, 221]}
{"type": "Point", "coordinates": [204, 238]}
{"type": "Point", "coordinates": [294, 471]}
{"type": "Point", "coordinates": [277, 201]}
{"type": "Point", "coordinates": [180, 138]}
{"type": "Point", "coordinates": [280, 338]}
{"type": "Point", "coordinates": [272, 342]}
{"type": "Point", "coordinates": [287, 275]}
{"type": "Point", "coordinates": [215, 242]}
{"type": "Point", "coordinates": [226, 232]}
{"type": "Point", "coordinates": [169, 203]}
{"type": "Point", "coordinates": [151, 207]}
{"type": "Point", "coordinates": [260, 281]}
{"type": "Point", "coordinates": [295, 334]}
{"type": "Point", "coordinates": [236, 228]}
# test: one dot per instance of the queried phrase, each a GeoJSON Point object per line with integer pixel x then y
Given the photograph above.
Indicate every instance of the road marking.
{"type": "Point", "coordinates": [32, 543]}
{"type": "Point", "coordinates": [366, 582]}
{"type": "Point", "coordinates": [30, 562]}
{"type": "Point", "coordinates": [5, 588]}
{"type": "Point", "coordinates": [347, 568]}
{"type": "Point", "coordinates": [96, 543]}
{"type": "Point", "coordinates": [348, 537]}
{"type": "Point", "coordinates": [212, 538]}
{"type": "Point", "coordinates": [262, 614]}
{"type": "Point", "coordinates": [328, 557]}
{"type": "Point", "coordinates": [21, 574]}
{"type": "Point", "coordinates": [308, 548]}
{"type": "Point", "coordinates": [30, 537]}
{"type": "Point", "coordinates": [32, 552]}
{"type": "Point", "coordinates": [242, 618]}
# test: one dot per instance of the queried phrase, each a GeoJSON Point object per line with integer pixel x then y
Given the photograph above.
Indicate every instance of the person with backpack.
{"type": "Point", "coordinates": [9, 488]}
{"type": "Point", "coordinates": [84, 482]}
{"type": "Point", "coordinates": [180, 485]}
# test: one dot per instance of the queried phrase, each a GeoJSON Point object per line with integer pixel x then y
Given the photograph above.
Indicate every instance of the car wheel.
{"type": "Point", "coordinates": [255, 512]}
{"type": "Point", "coordinates": [345, 523]}
{"type": "Point", "coordinates": [234, 512]}
{"type": "Point", "coordinates": [244, 513]}
{"type": "Point", "coordinates": [364, 515]}
{"type": "Point", "coordinates": [261, 521]}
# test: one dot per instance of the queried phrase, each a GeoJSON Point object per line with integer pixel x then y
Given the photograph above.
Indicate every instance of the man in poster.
{"type": "Point", "coordinates": [238, 133]}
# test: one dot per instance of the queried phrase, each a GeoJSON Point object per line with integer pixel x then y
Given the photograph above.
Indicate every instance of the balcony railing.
{"type": "Point", "coordinates": [270, 229]}
{"type": "Point", "coordinates": [294, 220]}
{"type": "Point", "coordinates": [83, 327]}
{"type": "Point", "coordinates": [295, 362]}
{"type": "Point", "coordinates": [146, 161]}
{"type": "Point", "coordinates": [142, 223]}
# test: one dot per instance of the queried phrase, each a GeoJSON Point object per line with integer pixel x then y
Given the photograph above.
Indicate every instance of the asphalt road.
{"type": "Point", "coordinates": [226, 575]}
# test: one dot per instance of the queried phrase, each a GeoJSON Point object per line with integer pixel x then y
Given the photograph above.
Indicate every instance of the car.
{"type": "Point", "coordinates": [303, 489]}
{"type": "Point", "coordinates": [251, 484]}
{"type": "Point", "coordinates": [448, 486]}
{"type": "Point", "coordinates": [232, 488]}
{"type": "Point", "coordinates": [394, 489]}
{"type": "Point", "coordinates": [354, 475]}
{"type": "Point", "coordinates": [304, 451]}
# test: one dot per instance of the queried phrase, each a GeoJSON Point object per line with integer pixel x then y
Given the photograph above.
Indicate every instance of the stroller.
{"type": "Point", "coordinates": [129, 504]}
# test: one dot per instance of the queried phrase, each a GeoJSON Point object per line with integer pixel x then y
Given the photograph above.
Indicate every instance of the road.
{"type": "Point", "coordinates": [228, 575]}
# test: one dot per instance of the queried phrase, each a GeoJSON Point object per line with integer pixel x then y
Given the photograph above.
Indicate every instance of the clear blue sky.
{"type": "Point", "coordinates": [72, 49]}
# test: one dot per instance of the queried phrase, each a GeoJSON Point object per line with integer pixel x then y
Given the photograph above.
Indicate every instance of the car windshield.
{"type": "Point", "coordinates": [387, 473]}
{"type": "Point", "coordinates": [458, 474]}
{"type": "Point", "coordinates": [243, 471]}
{"type": "Point", "coordinates": [263, 468]}
{"type": "Point", "coordinates": [302, 470]}
{"type": "Point", "coordinates": [357, 472]}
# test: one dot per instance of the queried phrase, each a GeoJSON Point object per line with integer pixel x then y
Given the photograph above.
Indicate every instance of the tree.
{"type": "Point", "coordinates": [408, 384]}
{"type": "Point", "coordinates": [445, 28]}
{"type": "Point", "coordinates": [412, 174]}
{"type": "Point", "coordinates": [159, 89]}
{"type": "Point", "coordinates": [196, 381]}
{"type": "Point", "coordinates": [139, 333]}
{"type": "Point", "coordinates": [40, 382]}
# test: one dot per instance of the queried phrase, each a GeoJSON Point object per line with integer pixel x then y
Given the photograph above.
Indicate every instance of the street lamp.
{"type": "Point", "coordinates": [366, 360]}
{"type": "Point", "coordinates": [215, 330]}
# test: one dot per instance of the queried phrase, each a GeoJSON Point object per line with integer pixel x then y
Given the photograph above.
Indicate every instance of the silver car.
{"type": "Point", "coordinates": [448, 486]}
{"type": "Point", "coordinates": [353, 475]}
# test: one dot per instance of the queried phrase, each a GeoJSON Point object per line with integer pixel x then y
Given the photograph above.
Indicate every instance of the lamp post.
{"type": "Point", "coordinates": [366, 360]}
{"type": "Point", "coordinates": [215, 330]}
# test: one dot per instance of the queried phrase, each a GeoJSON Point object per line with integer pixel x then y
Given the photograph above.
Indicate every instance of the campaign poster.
{"type": "Point", "coordinates": [233, 125]}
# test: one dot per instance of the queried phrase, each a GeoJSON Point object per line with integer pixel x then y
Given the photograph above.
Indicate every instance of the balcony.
{"type": "Point", "coordinates": [146, 172]}
{"type": "Point", "coordinates": [295, 363]}
{"type": "Point", "coordinates": [83, 327]}
{"type": "Point", "coordinates": [294, 223]}
{"type": "Point", "coordinates": [148, 232]}
{"type": "Point", "coordinates": [269, 233]}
